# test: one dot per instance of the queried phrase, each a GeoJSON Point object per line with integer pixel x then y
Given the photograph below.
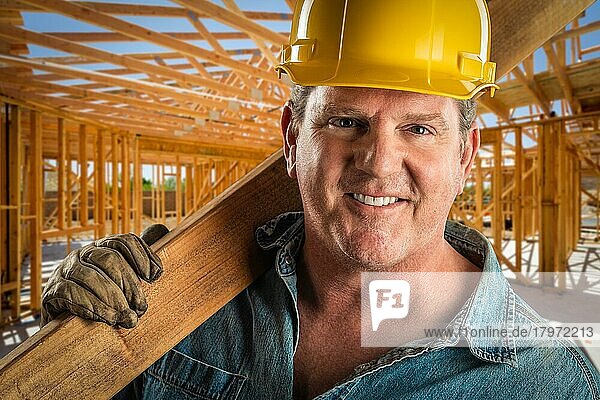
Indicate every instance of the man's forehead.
{"type": "Point", "coordinates": [368, 100]}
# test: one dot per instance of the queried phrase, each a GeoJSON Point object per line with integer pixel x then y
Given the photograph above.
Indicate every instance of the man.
{"type": "Point", "coordinates": [380, 135]}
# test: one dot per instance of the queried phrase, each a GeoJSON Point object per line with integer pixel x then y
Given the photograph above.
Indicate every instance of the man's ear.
{"type": "Point", "coordinates": [289, 139]}
{"type": "Point", "coordinates": [470, 149]}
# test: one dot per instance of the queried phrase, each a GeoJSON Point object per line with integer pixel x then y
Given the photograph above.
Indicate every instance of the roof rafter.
{"type": "Point", "coordinates": [132, 30]}
{"type": "Point", "coordinates": [534, 89]}
{"type": "Point", "coordinates": [91, 53]}
{"type": "Point", "coordinates": [141, 10]}
{"type": "Point", "coordinates": [233, 19]}
{"type": "Point", "coordinates": [563, 79]}
{"type": "Point", "coordinates": [266, 51]}
{"type": "Point", "coordinates": [182, 94]}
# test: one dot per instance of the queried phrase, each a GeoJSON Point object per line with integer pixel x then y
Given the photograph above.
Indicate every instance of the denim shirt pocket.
{"type": "Point", "coordinates": [178, 376]}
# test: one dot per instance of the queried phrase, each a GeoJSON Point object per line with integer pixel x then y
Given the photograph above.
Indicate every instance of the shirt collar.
{"type": "Point", "coordinates": [492, 304]}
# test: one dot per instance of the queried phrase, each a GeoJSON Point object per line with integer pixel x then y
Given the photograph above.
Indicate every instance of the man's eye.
{"type": "Point", "coordinates": [343, 122]}
{"type": "Point", "coordinates": [419, 130]}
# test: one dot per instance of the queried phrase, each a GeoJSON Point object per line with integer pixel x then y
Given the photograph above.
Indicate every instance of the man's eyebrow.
{"type": "Point", "coordinates": [333, 109]}
{"type": "Point", "coordinates": [420, 118]}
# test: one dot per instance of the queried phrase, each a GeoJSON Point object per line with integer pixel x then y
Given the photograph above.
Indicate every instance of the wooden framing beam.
{"type": "Point", "coordinates": [9, 31]}
{"type": "Point", "coordinates": [136, 104]}
{"type": "Point", "coordinates": [83, 177]}
{"type": "Point", "coordinates": [183, 147]}
{"type": "Point", "coordinates": [534, 89]}
{"type": "Point", "coordinates": [125, 187]}
{"type": "Point", "coordinates": [138, 190]}
{"type": "Point", "coordinates": [36, 196]}
{"type": "Point", "coordinates": [496, 106]}
{"type": "Point", "coordinates": [157, 89]}
{"type": "Point", "coordinates": [84, 37]}
{"type": "Point", "coordinates": [109, 22]}
{"type": "Point", "coordinates": [100, 186]}
{"type": "Point", "coordinates": [233, 19]}
{"type": "Point", "coordinates": [15, 171]}
{"type": "Point", "coordinates": [114, 190]}
{"type": "Point", "coordinates": [265, 50]}
{"type": "Point", "coordinates": [548, 202]}
{"type": "Point", "coordinates": [517, 219]}
{"type": "Point", "coordinates": [563, 79]}
{"type": "Point", "coordinates": [141, 10]}
{"type": "Point", "coordinates": [497, 214]}
{"type": "Point", "coordinates": [61, 165]}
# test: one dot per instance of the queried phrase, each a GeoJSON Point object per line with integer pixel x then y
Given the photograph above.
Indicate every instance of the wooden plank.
{"type": "Point", "coordinates": [61, 165]}
{"type": "Point", "coordinates": [548, 186]}
{"type": "Point", "coordinates": [114, 190]}
{"type": "Point", "coordinates": [125, 187]}
{"type": "Point", "coordinates": [14, 171]}
{"type": "Point", "coordinates": [138, 190]}
{"type": "Point", "coordinates": [189, 188]}
{"type": "Point", "coordinates": [3, 199]}
{"type": "Point", "coordinates": [69, 188]}
{"type": "Point", "coordinates": [35, 208]}
{"type": "Point", "coordinates": [514, 37]}
{"type": "Point", "coordinates": [86, 37]}
{"type": "Point", "coordinates": [184, 147]}
{"type": "Point", "coordinates": [83, 177]}
{"type": "Point", "coordinates": [209, 280]}
{"type": "Point", "coordinates": [177, 188]}
{"type": "Point", "coordinates": [100, 187]}
{"type": "Point", "coordinates": [497, 215]}
{"type": "Point", "coordinates": [517, 220]}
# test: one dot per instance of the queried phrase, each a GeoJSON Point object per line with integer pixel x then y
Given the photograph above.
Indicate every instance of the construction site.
{"type": "Point", "coordinates": [120, 115]}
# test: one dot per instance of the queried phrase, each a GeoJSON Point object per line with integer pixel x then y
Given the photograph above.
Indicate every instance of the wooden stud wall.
{"type": "Point", "coordinates": [97, 174]}
{"type": "Point", "coordinates": [533, 193]}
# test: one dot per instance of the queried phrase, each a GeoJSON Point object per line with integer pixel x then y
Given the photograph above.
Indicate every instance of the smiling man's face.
{"type": "Point", "coordinates": [378, 170]}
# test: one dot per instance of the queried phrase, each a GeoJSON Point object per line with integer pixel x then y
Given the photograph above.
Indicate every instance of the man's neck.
{"type": "Point", "coordinates": [329, 280]}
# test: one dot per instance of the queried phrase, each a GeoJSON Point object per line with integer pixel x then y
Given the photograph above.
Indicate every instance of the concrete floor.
{"type": "Point", "coordinates": [580, 303]}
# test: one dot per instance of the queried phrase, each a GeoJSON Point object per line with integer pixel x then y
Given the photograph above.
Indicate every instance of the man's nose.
{"type": "Point", "coordinates": [379, 153]}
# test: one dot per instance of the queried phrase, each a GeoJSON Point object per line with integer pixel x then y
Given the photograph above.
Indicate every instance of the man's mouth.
{"type": "Point", "coordinates": [375, 201]}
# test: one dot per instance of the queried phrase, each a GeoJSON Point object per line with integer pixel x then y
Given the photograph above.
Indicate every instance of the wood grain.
{"type": "Point", "coordinates": [208, 260]}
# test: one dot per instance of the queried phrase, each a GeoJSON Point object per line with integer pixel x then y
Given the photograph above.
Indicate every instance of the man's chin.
{"type": "Point", "coordinates": [368, 260]}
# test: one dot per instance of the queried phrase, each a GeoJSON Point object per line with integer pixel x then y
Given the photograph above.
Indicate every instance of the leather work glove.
{"type": "Point", "coordinates": [101, 281]}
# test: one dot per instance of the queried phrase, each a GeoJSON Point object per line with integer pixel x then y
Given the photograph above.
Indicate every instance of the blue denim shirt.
{"type": "Point", "coordinates": [246, 350]}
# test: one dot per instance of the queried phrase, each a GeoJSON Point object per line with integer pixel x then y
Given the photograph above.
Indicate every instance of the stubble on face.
{"type": "Point", "coordinates": [332, 163]}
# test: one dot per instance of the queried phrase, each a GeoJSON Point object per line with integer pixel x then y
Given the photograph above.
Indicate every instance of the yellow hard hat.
{"type": "Point", "coordinates": [426, 46]}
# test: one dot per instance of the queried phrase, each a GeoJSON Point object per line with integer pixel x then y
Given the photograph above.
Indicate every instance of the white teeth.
{"type": "Point", "coordinates": [374, 201]}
